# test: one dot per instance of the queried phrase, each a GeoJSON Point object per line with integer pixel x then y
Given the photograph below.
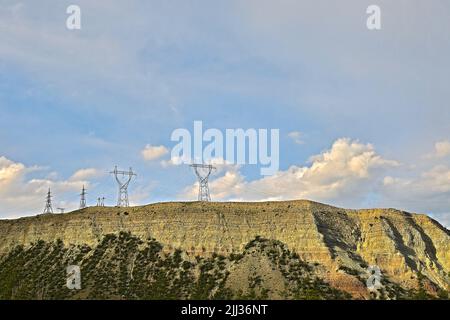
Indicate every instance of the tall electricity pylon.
{"type": "Point", "coordinates": [203, 171]}
{"type": "Point", "coordinates": [123, 183]}
{"type": "Point", "coordinates": [83, 198]}
{"type": "Point", "coordinates": [48, 203]}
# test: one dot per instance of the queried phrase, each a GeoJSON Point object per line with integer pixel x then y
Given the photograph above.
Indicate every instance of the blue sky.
{"type": "Point", "coordinates": [371, 107]}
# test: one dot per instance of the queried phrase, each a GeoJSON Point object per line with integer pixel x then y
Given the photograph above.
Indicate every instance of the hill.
{"type": "Point", "coordinates": [193, 250]}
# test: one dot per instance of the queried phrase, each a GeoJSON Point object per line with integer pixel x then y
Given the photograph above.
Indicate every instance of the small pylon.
{"type": "Point", "coordinates": [61, 210]}
{"type": "Point", "coordinates": [203, 171]}
{"type": "Point", "coordinates": [101, 202]}
{"type": "Point", "coordinates": [48, 203]}
{"type": "Point", "coordinates": [83, 198]}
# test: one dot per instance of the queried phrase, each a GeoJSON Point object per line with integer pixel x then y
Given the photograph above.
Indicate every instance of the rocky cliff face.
{"type": "Point", "coordinates": [412, 251]}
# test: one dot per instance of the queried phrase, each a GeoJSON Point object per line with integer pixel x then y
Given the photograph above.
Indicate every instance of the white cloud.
{"type": "Point", "coordinates": [426, 188]}
{"type": "Point", "coordinates": [142, 193]}
{"type": "Point", "coordinates": [441, 150]}
{"type": "Point", "coordinates": [226, 187]}
{"type": "Point", "coordinates": [344, 173]}
{"type": "Point", "coordinates": [86, 174]}
{"type": "Point", "coordinates": [173, 161]}
{"type": "Point", "coordinates": [154, 152]}
{"type": "Point", "coordinates": [223, 186]}
{"type": "Point", "coordinates": [9, 172]}
{"type": "Point", "coordinates": [296, 136]}
{"type": "Point", "coordinates": [427, 192]}
{"type": "Point", "coordinates": [21, 195]}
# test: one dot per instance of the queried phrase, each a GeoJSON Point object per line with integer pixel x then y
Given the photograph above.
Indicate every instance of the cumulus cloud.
{"type": "Point", "coordinates": [151, 153]}
{"type": "Point", "coordinates": [9, 171]}
{"type": "Point", "coordinates": [344, 172]}
{"type": "Point", "coordinates": [23, 195]}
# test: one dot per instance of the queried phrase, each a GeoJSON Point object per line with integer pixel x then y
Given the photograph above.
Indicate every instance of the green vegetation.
{"type": "Point", "coordinates": [123, 266]}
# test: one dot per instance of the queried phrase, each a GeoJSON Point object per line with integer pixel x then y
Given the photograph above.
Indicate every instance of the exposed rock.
{"type": "Point", "coordinates": [343, 243]}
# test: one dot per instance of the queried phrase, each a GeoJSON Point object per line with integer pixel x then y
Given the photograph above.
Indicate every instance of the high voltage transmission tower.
{"type": "Point", "coordinates": [83, 198]}
{"type": "Point", "coordinates": [203, 171]}
{"type": "Point", "coordinates": [48, 203]}
{"type": "Point", "coordinates": [123, 183]}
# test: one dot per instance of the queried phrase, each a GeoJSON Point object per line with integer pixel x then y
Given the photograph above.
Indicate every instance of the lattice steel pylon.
{"type": "Point", "coordinates": [203, 171]}
{"type": "Point", "coordinates": [122, 200]}
{"type": "Point", "coordinates": [83, 198]}
{"type": "Point", "coordinates": [48, 203]}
